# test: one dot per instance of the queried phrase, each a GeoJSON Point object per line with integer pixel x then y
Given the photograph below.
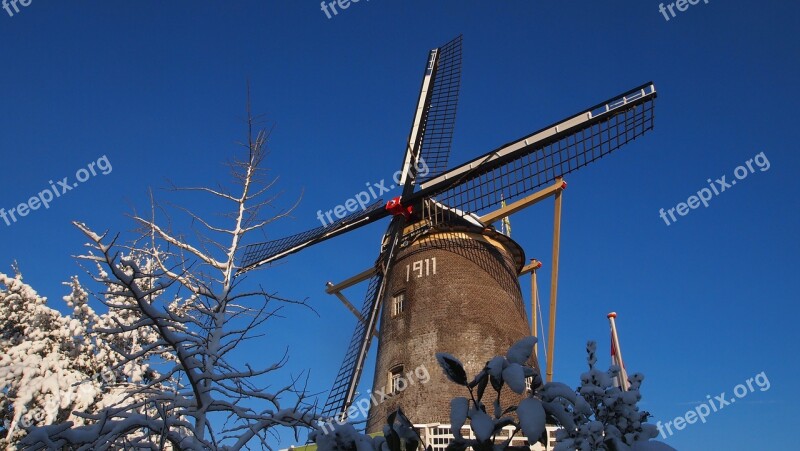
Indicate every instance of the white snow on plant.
{"type": "Point", "coordinates": [595, 416]}
{"type": "Point", "coordinates": [52, 365]}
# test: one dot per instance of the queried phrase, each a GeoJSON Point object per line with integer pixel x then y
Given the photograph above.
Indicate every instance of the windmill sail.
{"type": "Point", "coordinates": [344, 387]}
{"type": "Point", "coordinates": [430, 140]}
{"type": "Point", "coordinates": [258, 254]}
{"type": "Point", "coordinates": [437, 137]}
{"type": "Point", "coordinates": [341, 395]}
{"type": "Point", "coordinates": [531, 162]}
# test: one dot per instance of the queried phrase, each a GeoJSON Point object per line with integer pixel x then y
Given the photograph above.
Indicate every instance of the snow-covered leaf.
{"type": "Point", "coordinates": [496, 367]}
{"type": "Point", "coordinates": [521, 351]}
{"type": "Point", "coordinates": [514, 376]}
{"type": "Point", "coordinates": [482, 425]}
{"type": "Point", "coordinates": [459, 408]}
{"type": "Point", "coordinates": [531, 418]}
{"type": "Point", "coordinates": [452, 367]}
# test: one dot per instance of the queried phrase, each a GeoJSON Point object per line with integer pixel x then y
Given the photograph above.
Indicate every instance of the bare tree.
{"type": "Point", "coordinates": [189, 296]}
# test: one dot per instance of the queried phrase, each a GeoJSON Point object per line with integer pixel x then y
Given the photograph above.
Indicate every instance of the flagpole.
{"type": "Point", "coordinates": [623, 375]}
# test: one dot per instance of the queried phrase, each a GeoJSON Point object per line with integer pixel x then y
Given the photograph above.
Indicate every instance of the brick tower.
{"type": "Point", "coordinates": [452, 289]}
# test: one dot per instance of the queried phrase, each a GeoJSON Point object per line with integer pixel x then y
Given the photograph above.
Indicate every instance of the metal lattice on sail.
{"type": "Point", "coordinates": [538, 159]}
{"type": "Point", "coordinates": [260, 253]}
{"type": "Point", "coordinates": [338, 396]}
{"type": "Point", "coordinates": [344, 387]}
{"type": "Point", "coordinates": [437, 138]}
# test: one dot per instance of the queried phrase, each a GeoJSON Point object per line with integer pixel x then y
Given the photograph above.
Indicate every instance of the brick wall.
{"type": "Point", "coordinates": [471, 307]}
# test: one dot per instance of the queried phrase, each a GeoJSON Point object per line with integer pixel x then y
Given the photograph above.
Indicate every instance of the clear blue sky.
{"type": "Point", "coordinates": [704, 304]}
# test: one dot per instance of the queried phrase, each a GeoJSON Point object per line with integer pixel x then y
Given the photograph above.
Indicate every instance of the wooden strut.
{"type": "Point", "coordinates": [331, 290]}
{"type": "Point", "coordinates": [551, 336]}
{"type": "Point", "coordinates": [358, 278]}
{"type": "Point", "coordinates": [553, 190]}
{"type": "Point", "coordinates": [525, 202]}
{"type": "Point", "coordinates": [531, 268]}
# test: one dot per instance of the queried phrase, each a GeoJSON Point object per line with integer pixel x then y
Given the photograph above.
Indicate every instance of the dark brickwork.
{"type": "Point", "coordinates": [471, 308]}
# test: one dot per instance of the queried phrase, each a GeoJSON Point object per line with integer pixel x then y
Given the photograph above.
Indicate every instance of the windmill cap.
{"type": "Point", "coordinates": [612, 315]}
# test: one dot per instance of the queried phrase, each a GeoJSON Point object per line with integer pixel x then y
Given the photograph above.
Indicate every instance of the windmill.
{"type": "Point", "coordinates": [454, 208]}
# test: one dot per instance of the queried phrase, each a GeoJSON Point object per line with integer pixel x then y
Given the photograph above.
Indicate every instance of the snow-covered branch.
{"type": "Point", "coordinates": [176, 314]}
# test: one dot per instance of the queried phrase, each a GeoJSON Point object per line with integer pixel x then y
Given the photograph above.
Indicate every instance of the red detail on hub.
{"type": "Point", "coordinates": [396, 208]}
{"type": "Point", "coordinates": [563, 185]}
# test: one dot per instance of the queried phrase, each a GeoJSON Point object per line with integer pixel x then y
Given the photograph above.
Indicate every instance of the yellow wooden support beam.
{"type": "Point", "coordinates": [349, 306]}
{"type": "Point", "coordinates": [358, 278]}
{"type": "Point", "coordinates": [551, 339]}
{"type": "Point", "coordinates": [525, 202]}
{"type": "Point", "coordinates": [530, 267]}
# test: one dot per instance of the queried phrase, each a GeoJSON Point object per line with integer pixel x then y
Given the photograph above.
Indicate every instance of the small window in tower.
{"type": "Point", "coordinates": [397, 303]}
{"type": "Point", "coordinates": [396, 381]}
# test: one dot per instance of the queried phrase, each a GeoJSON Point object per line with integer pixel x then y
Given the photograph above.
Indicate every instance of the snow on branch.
{"type": "Point", "coordinates": [177, 312]}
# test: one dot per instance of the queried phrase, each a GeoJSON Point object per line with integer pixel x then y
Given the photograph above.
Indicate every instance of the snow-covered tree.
{"type": "Point", "coordinates": [52, 366]}
{"type": "Point", "coordinates": [188, 302]}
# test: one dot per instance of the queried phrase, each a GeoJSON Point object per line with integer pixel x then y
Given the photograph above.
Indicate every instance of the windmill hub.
{"type": "Point", "coordinates": [396, 208]}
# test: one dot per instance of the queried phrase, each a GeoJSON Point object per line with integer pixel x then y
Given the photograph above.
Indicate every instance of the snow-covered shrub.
{"type": "Point", "coordinates": [596, 416]}
{"type": "Point", "coordinates": [486, 422]}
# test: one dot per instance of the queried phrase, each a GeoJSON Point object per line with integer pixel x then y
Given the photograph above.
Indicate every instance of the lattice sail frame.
{"type": "Point", "coordinates": [337, 397]}
{"type": "Point", "coordinates": [437, 137]}
{"type": "Point", "coordinates": [260, 253]}
{"type": "Point", "coordinates": [484, 183]}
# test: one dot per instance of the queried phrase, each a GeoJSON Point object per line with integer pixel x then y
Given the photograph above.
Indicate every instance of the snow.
{"type": "Point", "coordinates": [496, 367]}
{"type": "Point", "coordinates": [482, 424]}
{"type": "Point", "coordinates": [521, 351]}
{"type": "Point", "coordinates": [531, 418]}
{"type": "Point", "coordinates": [153, 370]}
{"type": "Point", "coordinates": [459, 407]}
{"type": "Point", "coordinates": [514, 376]}
{"type": "Point", "coordinates": [591, 415]}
